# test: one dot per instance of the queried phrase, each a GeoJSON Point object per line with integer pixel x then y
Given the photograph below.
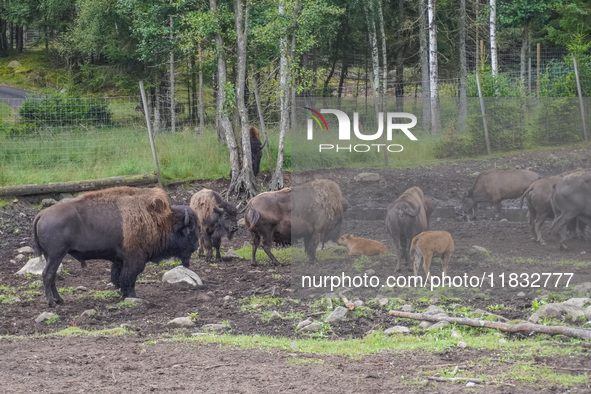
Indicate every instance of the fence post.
{"type": "Point", "coordinates": [580, 98]}
{"type": "Point", "coordinates": [538, 70]}
{"type": "Point", "coordinates": [147, 115]}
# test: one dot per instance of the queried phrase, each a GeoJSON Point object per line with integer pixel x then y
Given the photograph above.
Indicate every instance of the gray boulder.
{"type": "Point", "coordinates": [35, 266]}
{"type": "Point", "coordinates": [182, 274]}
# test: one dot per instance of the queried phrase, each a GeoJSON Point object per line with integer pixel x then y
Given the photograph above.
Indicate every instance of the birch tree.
{"type": "Point", "coordinates": [221, 112]}
{"type": "Point", "coordinates": [384, 53]}
{"type": "Point", "coordinates": [424, 60]}
{"type": "Point", "coordinates": [245, 179]}
{"type": "Point", "coordinates": [433, 73]}
{"type": "Point", "coordinates": [493, 38]}
{"type": "Point", "coordinates": [463, 104]}
{"type": "Point", "coordinates": [284, 95]}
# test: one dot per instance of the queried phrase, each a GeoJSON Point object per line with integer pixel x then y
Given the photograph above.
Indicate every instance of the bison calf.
{"type": "Point", "coordinates": [127, 226]}
{"type": "Point", "coordinates": [431, 244]}
{"type": "Point", "coordinates": [216, 218]}
{"type": "Point", "coordinates": [361, 246]}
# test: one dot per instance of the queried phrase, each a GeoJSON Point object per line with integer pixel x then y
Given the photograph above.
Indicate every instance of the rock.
{"type": "Point", "coordinates": [312, 327]}
{"type": "Point", "coordinates": [181, 321]}
{"type": "Point", "coordinates": [480, 248]}
{"type": "Point", "coordinates": [578, 302]}
{"type": "Point", "coordinates": [470, 384]}
{"type": "Point", "coordinates": [47, 202]}
{"type": "Point", "coordinates": [425, 325]}
{"type": "Point", "coordinates": [438, 325]}
{"type": "Point", "coordinates": [435, 310]}
{"type": "Point", "coordinates": [381, 301]}
{"type": "Point", "coordinates": [584, 288]}
{"type": "Point", "coordinates": [455, 334]}
{"type": "Point", "coordinates": [502, 340]}
{"type": "Point", "coordinates": [561, 310]}
{"type": "Point", "coordinates": [367, 177]}
{"type": "Point", "coordinates": [214, 327]}
{"type": "Point", "coordinates": [407, 308]}
{"type": "Point", "coordinates": [303, 323]}
{"type": "Point", "coordinates": [14, 64]}
{"type": "Point", "coordinates": [503, 220]}
{"type": "Point", "coordinates": [19, 257]}
{"type": "Point", "coordinates": [81, 288]}
{"type": "Point", "coordinates": [35, 266]}
{"type": "Point", "coordinates": [462, 345]}
{"type": "Point", "coordinates": [233, 254]}
{"type": "Point", "coordinates": [133, 300]}
{"type": "Point", "coordinates": [227, 299]}
{"type": "Point", "coordinates": [25, 250]}
{"type": "Point", "coordinates": [521, 294]}
{"type": "Point", "coordinates": [340, 313]}
{"type": "Point", "coordinates": [242, 222]}
{"type": "Point", "coordinates": [182, 274]}
{"type": "Point", "coordinates": [89, 313]}
{"type": "Point", "coordinates": [397, 330]}
{"type": "Point", "coordinates": [274, 316]}
{"type": "Point", "coordinates": [45, 316]}
{"type": "Point", "coordinates": [358, 303]}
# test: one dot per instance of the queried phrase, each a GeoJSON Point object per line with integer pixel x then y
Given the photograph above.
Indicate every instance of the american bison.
{"type": "Point", "coordinates": [406, 218]}
{"type": "Point", "coordinates": [495, 185]}
{"type": "Point", "coordinates": [312, 211]}
{"type": "Point", "coordinates": [256, 149]}
{"type": "Point", "coordinates": [361, 246]}
{"type": "Point", "coordinates": [571, 199]}
{"type": "Point", "coordinates": [127, 226]}
{"type": "Point", "coordinates": [539, 206]}
{"type": "Point", "coordinates": [216, 218]}
{"type": "Point", "coordinates": [429, 244]}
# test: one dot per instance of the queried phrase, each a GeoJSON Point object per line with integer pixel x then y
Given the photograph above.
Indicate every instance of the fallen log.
{"type": "Point", "coordinates": [518, 327]}
{"type": "Point", "coordinates": [79, 186]}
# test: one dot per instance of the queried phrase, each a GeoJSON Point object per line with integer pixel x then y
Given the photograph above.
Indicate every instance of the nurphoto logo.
{"type": "Point", "coordinates": [344, 130]}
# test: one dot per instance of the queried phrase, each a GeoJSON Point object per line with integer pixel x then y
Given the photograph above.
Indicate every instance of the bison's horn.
{"type": "Point", "coordinates": [186, 217]}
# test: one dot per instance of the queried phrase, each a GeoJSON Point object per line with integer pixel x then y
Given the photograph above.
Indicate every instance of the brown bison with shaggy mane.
{"type": "Point", "coordinates": [216, 218]}
{"type": "Point", "coordinates": [312, 211]}
{"type": "Point", "coordinates": [127, 226]}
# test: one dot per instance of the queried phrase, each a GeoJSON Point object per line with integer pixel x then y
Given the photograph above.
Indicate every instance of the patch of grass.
{"type": "Point", "coordinates": [78, 332]}
{"type": "Point", "coordinates": [105, 295]}
{"type": "Point", "coordinates": [126, 304]}
{"type": "Point", "coordinates": [256, 302]}
{"type": "Point", "coordinates": [4, 203]}
{"type": "Point", "coordinates": [52, 319]}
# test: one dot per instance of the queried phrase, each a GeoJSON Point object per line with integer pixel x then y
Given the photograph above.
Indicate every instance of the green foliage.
{"type": "Point", "coordinates": [558, 121]}
{"type": "Point", "coordinates": [505, 127]}
{"type": "Point", "coordinates": [60, 112]}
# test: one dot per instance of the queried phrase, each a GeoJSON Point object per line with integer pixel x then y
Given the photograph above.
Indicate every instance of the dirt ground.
{"type": "Point", "coordinates": [126, 363]}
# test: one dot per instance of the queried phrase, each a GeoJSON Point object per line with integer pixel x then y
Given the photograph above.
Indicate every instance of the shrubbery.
{"type": "Point", "coordinates": [60, 112]}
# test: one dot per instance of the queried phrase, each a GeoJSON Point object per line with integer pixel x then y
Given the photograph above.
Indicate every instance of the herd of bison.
{"type": "Point", "coordinates": [443, 207]}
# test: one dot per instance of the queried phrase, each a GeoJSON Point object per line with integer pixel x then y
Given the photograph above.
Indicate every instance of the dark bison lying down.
{"type": "Point", "coordinates": [127, 226]}
{"type": "Point", "coordinates": [216, 218]}
{"type": "Point", "coordinates": [312, 211]}
{"type": "Point", "coordinates": [496, 185]}
{"type": "Point", "coordinates": [406, 218]}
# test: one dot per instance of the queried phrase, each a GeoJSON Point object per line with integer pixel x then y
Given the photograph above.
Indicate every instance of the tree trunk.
{"type": "Point", "coordinates": [171, 92]}
{"type": "Point", "coordinates": [255, 89]}
{"type": "Point", "coordinates": [201, 102]}
{"type": "Point", "coordinates": [245, 179]}
{"type": "Point", "coordinates": [373, 45]}
{"type": "Point", "coordinates": [277, 179]}
{"type": "Point", "coordinates": [523, 56]}
{"type": "Point", "coordinates": [329, 77]}
{"type": "Point", "coordinates": [224, 120]}
{"type": "Point", "coordinates": [384, 88]}
{"type": "Point", "coordinates": [493, 43]}
{"type": "Point", "coordinates": [463, 104]}
{"type": "Point", "coordinates": [400, 59]}
{"type": "Point", "coordinates": [424, 59]}
{"type": "Point", "coordinates": [433, 73]}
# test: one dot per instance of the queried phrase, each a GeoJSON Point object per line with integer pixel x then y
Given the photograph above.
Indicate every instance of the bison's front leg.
{"type": "Point", "coordinates": [217, 242]}
{"type": "Point", "coordinates": [129, 274]}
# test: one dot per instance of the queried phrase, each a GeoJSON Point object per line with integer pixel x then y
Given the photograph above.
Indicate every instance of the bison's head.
{"type": "Point", "coordinates": [467, 204]}
{"type": "Point", "coordinates": [226, 220]}
{"type": "Point", "coordinates": [343, 240]}
{"type": "Point", "coordinates": [185, 233]}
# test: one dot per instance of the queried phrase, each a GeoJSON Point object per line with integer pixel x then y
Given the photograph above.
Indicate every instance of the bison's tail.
{"type": "Point", "coordinates": [251, 217]}
{"type": "Point", "coordinates": [525, 195]}
{"type": "Point", "coordinates": [36, 245]}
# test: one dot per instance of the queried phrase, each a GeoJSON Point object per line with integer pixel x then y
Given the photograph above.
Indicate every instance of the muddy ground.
{"type": "Point", "coordinates": [126, 363]}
